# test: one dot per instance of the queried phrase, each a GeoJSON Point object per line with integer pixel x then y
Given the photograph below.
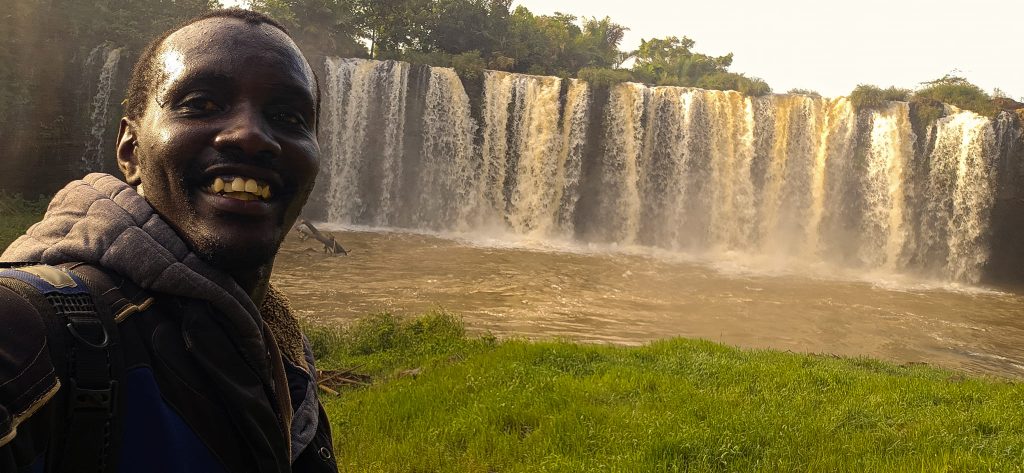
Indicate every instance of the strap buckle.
{"type": "Point", "coordinates": [83, 399]}
{"type": "Point", "coordinates": [78, 324]}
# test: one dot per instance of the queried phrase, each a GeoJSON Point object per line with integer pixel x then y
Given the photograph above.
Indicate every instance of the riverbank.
{"type": "Point", "coordinates": [443, 401]}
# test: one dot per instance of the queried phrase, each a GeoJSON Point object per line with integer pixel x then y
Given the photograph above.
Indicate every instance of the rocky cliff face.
{"type": "Point", "coordinates": [1007, 262]}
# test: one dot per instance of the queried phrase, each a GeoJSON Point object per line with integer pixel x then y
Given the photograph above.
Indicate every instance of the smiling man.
{"type": "Point", "coordinates": [149, 337]}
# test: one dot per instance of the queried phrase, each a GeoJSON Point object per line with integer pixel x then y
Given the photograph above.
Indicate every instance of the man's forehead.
{"type": "Point", "coordinates": [227, 39]}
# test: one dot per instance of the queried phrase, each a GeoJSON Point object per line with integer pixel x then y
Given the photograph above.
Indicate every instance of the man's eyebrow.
{"type": "Point", "coordinates": [294, 93]}
{"type": "Point", "coordinates": [195, 78]}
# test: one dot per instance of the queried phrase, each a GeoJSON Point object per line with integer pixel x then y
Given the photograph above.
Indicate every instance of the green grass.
{"type": "Point", "coordinates": [481, 405]}
{"type": "Point", "coordinates": [16, 215]}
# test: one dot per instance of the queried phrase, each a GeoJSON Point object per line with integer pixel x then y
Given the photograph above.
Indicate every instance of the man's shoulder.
{"type": "Point", "coordinates": [27, 376]}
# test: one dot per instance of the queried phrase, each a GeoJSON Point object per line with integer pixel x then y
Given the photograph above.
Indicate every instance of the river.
{"type": "Point", "coordinates": [632, 295]}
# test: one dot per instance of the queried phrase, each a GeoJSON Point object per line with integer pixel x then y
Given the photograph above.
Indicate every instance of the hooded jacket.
{"type": "Point", "coordinates": [202, 361]}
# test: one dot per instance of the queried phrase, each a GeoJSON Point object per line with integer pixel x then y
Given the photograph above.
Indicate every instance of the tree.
{"type": "Point", "coordinates": [320, 27]}
{"type": "Point", "coordinates": [391, 26]}
{"type": "Point", "coordinates": [671, 61]}
{"type": "Point", "coordinates": [600, 41]}
{"type": "Point", "coordinates": [460, 26]}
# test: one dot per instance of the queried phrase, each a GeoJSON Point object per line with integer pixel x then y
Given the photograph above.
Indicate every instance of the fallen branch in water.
{"type": "Point", "coordinates": [331, 245]}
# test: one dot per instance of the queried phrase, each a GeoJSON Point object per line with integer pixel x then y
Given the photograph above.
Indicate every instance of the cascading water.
{"type": "Point", "coordinates": [364, 121]}
{"type": "Point", "coordinates": [784, 177]}
{"type": "Point", "coordinates": [885, 228]}
{"type": "Point", "coordinates": [786, 204]}
{"type": "Point", "coordinates": [665, 158]}
{"type": "Point", "coordinates": [831, 186]}
{"type": "Point", "coordinates": [574, 133]}
{"type": "Point", "coordinates": [447, 171]}
{"type": "Point", "coordinates": [620, 202]}
{"type": "Point", "coordinates": [960, 195]}
{"type": "Point", "coordinates": [522, 152]}
{"type": "Point", "coordinates": [92, 158]}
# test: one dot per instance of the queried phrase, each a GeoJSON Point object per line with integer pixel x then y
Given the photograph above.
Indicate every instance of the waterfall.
{"type": "Point", "coordinates": [570, 162]}
{"type": "Point", "coordinates": [790, 178]}
{"type": "Point", "coordinates": [363, 125]}
{"type": "Point", "coordinates": [95, 148]}
{"type": "Point", "coordinates": [786, 201]}
{"type": "Point", "coordinates": [447, 171]}
{"type": "Point", "coordinates": [960, 196]}
{"type": "Point", "coordinates": [885, 229]}
{"type": "Point", "coordinates": [620, 199]}
{"type": "Point", "coordinates": [665, 160]}
{"type": "Point", "coordinates": [834, 185]}
{"type": "Point", "coordinates": [532, 151]}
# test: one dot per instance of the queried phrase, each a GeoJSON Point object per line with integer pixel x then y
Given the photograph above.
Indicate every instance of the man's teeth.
{"type": "Point", "coordinates": [240, 188]}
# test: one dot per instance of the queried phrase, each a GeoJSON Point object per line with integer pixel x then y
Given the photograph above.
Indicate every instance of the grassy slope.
{"type": "Point", "coordinates": [679, 405]}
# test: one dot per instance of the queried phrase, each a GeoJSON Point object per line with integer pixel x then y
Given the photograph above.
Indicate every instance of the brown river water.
{"type": "Point", "coordinates": [541, 290]}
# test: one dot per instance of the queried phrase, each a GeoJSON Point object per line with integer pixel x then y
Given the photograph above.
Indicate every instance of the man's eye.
{"type": "Point", "coordinates": [200, 104]}
{"type": "Point", "coordinates": [288, 118]}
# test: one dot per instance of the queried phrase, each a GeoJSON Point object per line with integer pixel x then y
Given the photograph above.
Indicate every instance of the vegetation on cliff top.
{"type": "Point", "coordinates": [442, 401]}
{"type": "Point", "coordinates": [928, 99]}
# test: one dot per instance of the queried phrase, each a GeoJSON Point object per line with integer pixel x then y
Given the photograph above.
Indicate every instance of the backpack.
{"type": "Point", "coordinates": [79, 305]}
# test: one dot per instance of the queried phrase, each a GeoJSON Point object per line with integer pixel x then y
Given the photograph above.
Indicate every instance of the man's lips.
{"type": "Point", "coordinates": [258, 173]}
{"type": "Point", "coordinates": [241, 188]}
{"type": "Point", "coordinates": [253, 208]}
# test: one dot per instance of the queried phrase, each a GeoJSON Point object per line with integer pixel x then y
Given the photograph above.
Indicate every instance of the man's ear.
{"type": "Point", "coordinates": [127, 152]}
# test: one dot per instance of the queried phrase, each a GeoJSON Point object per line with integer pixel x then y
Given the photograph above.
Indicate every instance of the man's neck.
{"type": "Point", "coordinates": [256, 282]}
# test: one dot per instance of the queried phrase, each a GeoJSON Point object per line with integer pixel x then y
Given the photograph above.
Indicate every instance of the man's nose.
{"type": "Point", "coordinates": [247, 132]}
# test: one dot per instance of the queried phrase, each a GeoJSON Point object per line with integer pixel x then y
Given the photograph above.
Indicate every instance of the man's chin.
{"type": "Point", "coordinates": [235, 257]}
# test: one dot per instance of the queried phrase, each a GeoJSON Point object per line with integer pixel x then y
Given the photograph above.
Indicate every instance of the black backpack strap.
{"type": "Point", "coordinates": [84, 335]}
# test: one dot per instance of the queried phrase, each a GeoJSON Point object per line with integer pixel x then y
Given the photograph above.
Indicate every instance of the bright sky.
{"type": "Point", "coordinates": [830, 46]}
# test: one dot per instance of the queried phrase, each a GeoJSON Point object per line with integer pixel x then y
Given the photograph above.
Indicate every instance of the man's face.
{"type": "Point", "coordinates": [226, 150]}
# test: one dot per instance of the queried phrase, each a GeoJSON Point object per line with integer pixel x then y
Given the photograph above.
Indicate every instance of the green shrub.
{"type": "Point", "coordinates": [672, 81]}
{"type": "Point", "coordinates": [469, 65]}
{"type": "Point", "coordinates": [501, 63]}
{"type": "Point", "coordinates": [807, 92]}
{"type": "Point", "coordinates": [871, 97]}
{"type": "Point", "coordinates": [602, 77]}
{"type": "Point", "coordinates": [749, 86]}
{"type": "Point", "coordinates": [958, 92]}
{"type": "Point", "coordinates": [754, 87]}
{"type": "Point", "coordinates": [537, 70]}
{"type": "Point", "coordinates": [925, 111]}
{"type": "Point", "coordinates": [641, 76]}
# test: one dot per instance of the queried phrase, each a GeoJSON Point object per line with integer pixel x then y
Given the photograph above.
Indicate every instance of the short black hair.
{"type": "Point", "coordinates": [145, 74]}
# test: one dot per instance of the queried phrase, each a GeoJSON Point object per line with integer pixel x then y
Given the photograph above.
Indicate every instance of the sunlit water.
{"type": "Point", "coordinates": [543, 290]}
